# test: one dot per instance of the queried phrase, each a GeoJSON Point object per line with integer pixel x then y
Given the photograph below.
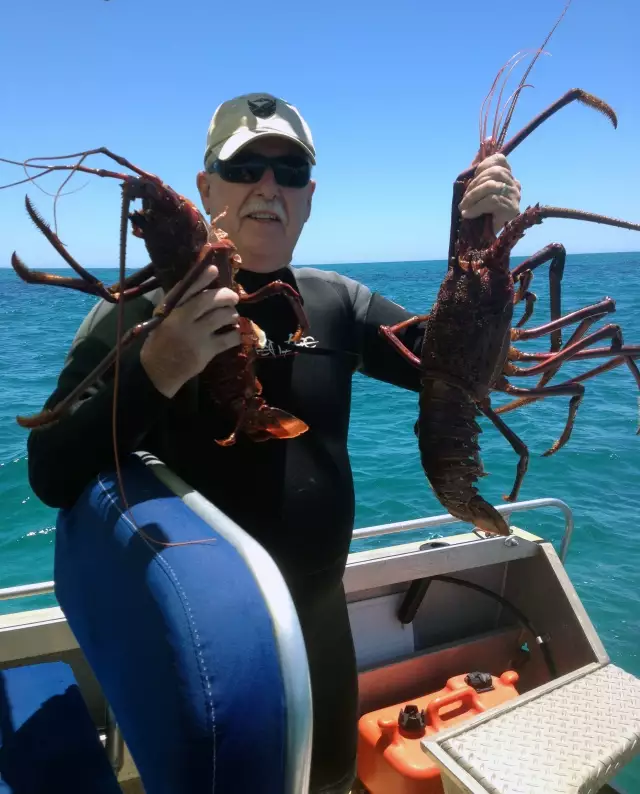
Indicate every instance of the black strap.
{"type": "Point", "coordinates": [319, 351]}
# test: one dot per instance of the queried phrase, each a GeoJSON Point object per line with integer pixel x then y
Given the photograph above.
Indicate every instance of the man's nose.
{"type": "Point", "coordinates": [267, 186]}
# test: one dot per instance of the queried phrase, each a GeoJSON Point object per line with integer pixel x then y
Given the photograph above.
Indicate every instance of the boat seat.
{"type": "Point", "coordinates": [48, 742]}
{"type": "Point", "coordinates": [570, 736]}
{"type": "Point", "coordinates": [197, 647]}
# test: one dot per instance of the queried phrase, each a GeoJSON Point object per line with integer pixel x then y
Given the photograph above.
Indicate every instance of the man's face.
{"type": "Point", "coordinates": [264, 244]}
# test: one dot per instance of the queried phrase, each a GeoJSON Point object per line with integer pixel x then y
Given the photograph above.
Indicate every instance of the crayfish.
{"type": "Point", "coordinates": [181, 245]}
{"type": "Point", "coordinates": [467, 350]}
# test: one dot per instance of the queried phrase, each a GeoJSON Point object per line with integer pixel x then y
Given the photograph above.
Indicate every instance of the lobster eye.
{"type": "Point", "coordinates": [138, 218]}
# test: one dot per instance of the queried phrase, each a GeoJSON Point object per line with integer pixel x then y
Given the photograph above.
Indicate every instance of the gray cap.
{"type": "Point", "coordinates": [242, 119]}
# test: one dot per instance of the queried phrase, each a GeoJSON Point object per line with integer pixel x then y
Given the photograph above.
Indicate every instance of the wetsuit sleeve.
{"type": "Point", "coordinates": [378, 358]}
{"type": "Point", "coordinates": [65, 456]}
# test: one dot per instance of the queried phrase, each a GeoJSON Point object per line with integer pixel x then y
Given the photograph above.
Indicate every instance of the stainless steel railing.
{"type": "Point", "coordinates": [505, 509]}
{"type": "Point", "coordinates": [41, 588]}
{"type": "Point", "coordinates": [430, 522]}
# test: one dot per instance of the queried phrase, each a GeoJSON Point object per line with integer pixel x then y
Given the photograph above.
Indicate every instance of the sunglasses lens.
{"type": "Point", "coordinates": [246, 171]}
{"type": "Point", "coordinates": [249, 169]}
{"type": "Point", "coordinates": [291, 171]}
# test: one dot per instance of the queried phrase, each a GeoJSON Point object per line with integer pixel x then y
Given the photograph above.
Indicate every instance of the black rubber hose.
{"type": "Point", "coordinates": [521, 617]}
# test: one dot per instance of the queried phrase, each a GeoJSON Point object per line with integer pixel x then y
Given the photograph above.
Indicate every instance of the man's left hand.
{"type": "Point", "coordinates": [492, 191]}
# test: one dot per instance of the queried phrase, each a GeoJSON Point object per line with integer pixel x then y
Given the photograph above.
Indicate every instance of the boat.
{"type": "Point", "coordinates": [146, 677]}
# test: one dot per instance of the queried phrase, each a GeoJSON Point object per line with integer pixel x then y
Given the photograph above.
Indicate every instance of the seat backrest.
{"type": "Point", "coordinates": [197, 647]}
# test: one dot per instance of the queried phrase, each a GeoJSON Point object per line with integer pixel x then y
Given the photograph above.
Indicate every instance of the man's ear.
{"type": "Point", "coordinates": [312, 189]}
{"type": "Point", "coordinates": [203, 188]}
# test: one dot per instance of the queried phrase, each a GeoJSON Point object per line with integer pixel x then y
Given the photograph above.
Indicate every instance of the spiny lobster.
{"type": "Point", "coordinates": [466, 349]}
{"type": "Point", "coordinates": [181, 245]}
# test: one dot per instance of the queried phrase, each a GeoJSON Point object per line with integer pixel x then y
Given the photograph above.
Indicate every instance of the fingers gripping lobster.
{"type": "Point", "coordinates": [467, 348]}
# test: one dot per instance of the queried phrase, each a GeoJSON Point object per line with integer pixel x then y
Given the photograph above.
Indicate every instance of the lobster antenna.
{"type": "Point", "coordinates": [503, 133]}
{"type": "Point", "coordinates": [124, 218]}
{"type": "Point", "coordinates": [46, 169]}
{"type": "Point", "coordinates": [513, 98]}
{"type": "Point", "coordinates": [496, 125]}
{"type": "Point", "coordinates": [484, 116]}
{"type": "Point", "coordinates": [59, 193]}
{"type": "Point", "coordinates": [46, 192]}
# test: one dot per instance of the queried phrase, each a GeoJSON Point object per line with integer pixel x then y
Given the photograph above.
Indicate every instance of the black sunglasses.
{"type": "Point", "coordinates": [288, 170]}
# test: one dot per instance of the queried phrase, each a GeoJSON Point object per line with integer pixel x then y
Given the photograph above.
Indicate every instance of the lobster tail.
{"type": "Point", "coordinates": [482, 515]}
{"type": "Point", "coordinates": [273, 422]}
{"type": "Point", "coordinates": [447, 434]}
{"type": "Point", "coordinates": [261, 422]}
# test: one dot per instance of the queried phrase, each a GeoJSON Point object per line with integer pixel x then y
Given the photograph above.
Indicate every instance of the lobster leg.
{"type": "Point", "coordinates": [628, 351]}
{"type": "Point", "coordinates": [50, 279]}
{"type": "Point", "coordinates": [523, 293]}
{"type": "Point", "coordinates": [573, 386]}
{"type": "Point", "coordinates": [519, 447]}
{"type": "Point", "coordinates": [608, 365]}
{"type": "Point", "coordinates": [576, 390]}
{"type": "Point", "coordinates": [287, 291]}
{"type": "Point", "coordinates": [86, 283]}
{"type": "Point", "coordinates": [612, 331]}
{"type": "Point", "coordinates": [138, 331]}
{"type": "Point", "coordinates": [623, 355]}
{"type": "Point", "coordinates": [389, 332]}
{"type": "Point", "coordinates": [92, 287]}
{"type": "Point", "coordinates": [135, 279]}
{"type": "Point", "coordinates": [574, 94]}
{"type": "Point", "coordinates": [591, 314]}
{"type": "Point", "coordinates": [515, 229]}
{"type": "Point", "coordinates": [556, 254]}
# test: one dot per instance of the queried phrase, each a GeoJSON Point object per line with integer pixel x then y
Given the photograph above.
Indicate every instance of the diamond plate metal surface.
{"type": "Point", "coordinates": [569, 741]}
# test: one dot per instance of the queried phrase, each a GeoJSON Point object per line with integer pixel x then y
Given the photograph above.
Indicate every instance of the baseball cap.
{"type": "Point", "coordinates": [238, 121]}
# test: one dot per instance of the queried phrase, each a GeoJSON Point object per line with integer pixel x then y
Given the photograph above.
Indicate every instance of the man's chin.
{"type": "Point", "coordinates": [255, 259]}
{"type": "Point", "coordinates": [262, 266]}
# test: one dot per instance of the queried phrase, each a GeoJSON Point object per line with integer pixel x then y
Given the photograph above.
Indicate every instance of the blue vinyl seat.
{"type": "Point", "coordinates": [197, 647]}
{"type": "Point", "coordinates": [48, 742]}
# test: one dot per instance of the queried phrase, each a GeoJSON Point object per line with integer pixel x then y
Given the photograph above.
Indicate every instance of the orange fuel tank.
{"type": "Point", "coordinates": [390, 759]}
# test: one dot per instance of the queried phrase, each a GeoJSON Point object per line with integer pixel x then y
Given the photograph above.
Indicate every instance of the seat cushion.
{"type": "Point", "coordinates": [48, 742]}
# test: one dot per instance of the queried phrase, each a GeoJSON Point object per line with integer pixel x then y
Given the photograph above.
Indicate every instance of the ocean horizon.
{"type": "Point", "coordinates": [62, 269]}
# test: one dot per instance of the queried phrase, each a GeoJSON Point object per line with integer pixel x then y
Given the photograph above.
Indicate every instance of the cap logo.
{"type": "Point", "coordinates": [263, 107]}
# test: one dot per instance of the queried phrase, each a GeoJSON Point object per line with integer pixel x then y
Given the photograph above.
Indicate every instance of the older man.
{"type": "Point", "coordinates": [296, 496]}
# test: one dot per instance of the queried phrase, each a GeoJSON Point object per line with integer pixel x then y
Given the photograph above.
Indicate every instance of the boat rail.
{"type": "Point", "coordinates": [21, 591]}
{"type": "Point", "coordinates": [430, 522]}
{"type": "Point", "coordinates": [506, 509]}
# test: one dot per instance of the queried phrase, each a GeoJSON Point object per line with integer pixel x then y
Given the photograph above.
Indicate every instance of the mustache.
{"type": "Point", "coordinates": [276, 207]}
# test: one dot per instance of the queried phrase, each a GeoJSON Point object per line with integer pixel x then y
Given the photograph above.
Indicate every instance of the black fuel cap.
{"type": "Point", "coordinates": [411, 719]}
{"type": "Point", "coordinates": [481, 682]}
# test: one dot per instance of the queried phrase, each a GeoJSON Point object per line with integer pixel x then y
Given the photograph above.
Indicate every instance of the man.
{"type": "Point", "coordinates": [295, 496]}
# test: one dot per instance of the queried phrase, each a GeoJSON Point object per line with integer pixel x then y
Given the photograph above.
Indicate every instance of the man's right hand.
{"type": "Point", "coordinates": [185, 342]}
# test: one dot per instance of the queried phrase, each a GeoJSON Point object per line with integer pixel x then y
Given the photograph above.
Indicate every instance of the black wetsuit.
{"type": "Point", "coordinates": [295, 497]}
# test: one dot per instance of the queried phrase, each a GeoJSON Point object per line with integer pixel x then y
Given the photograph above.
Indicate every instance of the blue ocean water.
{"type": "Point", "coordinates": [597, 473]}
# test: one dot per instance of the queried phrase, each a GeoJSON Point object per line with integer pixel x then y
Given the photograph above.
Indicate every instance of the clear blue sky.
{"type": "Point", "coordinates": [392, 92]}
